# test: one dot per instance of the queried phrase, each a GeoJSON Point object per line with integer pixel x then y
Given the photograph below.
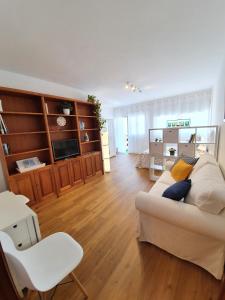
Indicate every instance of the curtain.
{"type": "Point", "coordinates": [155, 113]}
{"type": "Point", "coordinates": [121, 134]}
{"type": "Point", "coordinates": [111, 132]}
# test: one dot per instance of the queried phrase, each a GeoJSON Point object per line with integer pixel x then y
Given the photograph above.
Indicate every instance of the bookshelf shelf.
{"type": "Point", "coordinates": [21, 113]}
{"type": "Point", "coordinates": [89, 129]}
{"type": "Point", "coordinates": [62, 130]}
{"type": "Point", "coordinates": [26, 152]}
{"type": "Point", "coordinates": [85, 116]}
{"type": "Point", "coordinates": [23, 133]}
{"type": "Point", "coordinates": [60, 115]}
{"type": "Point", "coordinates": [88, 142]}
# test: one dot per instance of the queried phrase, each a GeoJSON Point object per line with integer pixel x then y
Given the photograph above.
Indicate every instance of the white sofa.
{"type": "Point", "coordinates": [187, 229]}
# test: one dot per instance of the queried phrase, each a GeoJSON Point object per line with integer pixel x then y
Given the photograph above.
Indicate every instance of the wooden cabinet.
{"type": "Point", "coordinates": [92, 164]}
{"type": "Point", "coordinates": [36, 185]}
{"type": "Point", "coordinates": [63, 176]}
{"type": "Point", "coordinates": [88, 166]}
{"type": "Point", "coordinates": [52, 181]}
{"type": "Point", "coordinates": [45, 182]}
{"type": "Point", "coordinates": [97, 162]}
{"type": "Point", "coordinates": [76, 171]}
{"type": "Point", "coordinates": [24, 184]}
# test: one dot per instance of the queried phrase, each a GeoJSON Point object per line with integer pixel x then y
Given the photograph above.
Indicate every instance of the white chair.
{"type": "Point", "coordinates": [45, 264]}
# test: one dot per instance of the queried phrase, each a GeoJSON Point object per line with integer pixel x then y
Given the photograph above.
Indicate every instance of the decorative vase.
{"type": "Point", "coordinates": [66, 111]}
{"type": "Point", "coordinates": [82, 125]}
{"type": "Point", "coordinates": [86, 137]}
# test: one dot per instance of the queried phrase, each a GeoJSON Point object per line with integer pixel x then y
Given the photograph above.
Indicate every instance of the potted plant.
{"type": "Point", "coordinates": [66, 107]}
{"type": "Point", "coordinates": [172, 151]}
{"type": "Point", "coordinates": [97, 110]}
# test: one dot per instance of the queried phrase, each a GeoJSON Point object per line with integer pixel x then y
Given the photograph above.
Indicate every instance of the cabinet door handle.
{"type": "Point", "coordinates": [15, 226]}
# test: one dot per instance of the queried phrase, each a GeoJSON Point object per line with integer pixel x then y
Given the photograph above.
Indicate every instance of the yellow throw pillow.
{"type": "Point", "coordinates": [181, 170]}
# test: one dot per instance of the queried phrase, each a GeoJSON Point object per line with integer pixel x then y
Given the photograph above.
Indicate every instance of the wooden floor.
{"type": "Point", "coordinates": [101, 216]}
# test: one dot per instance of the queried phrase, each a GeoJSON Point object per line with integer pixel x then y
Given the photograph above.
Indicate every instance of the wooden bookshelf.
{"type": "Point", "coordinates": [32, 125]}
{"type": "Point", "coordinates": [94, 141]}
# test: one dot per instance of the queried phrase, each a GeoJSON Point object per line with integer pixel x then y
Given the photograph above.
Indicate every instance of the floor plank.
{"type": "Point", "coordinates": [101, 216]}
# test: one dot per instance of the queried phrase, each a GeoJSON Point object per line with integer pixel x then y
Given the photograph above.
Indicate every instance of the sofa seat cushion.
{"type": "Point", "coordinates": [208, 195]}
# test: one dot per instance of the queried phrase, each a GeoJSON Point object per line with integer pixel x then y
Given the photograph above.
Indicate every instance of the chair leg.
{"type": "Point", "coordinates": [75, 279]}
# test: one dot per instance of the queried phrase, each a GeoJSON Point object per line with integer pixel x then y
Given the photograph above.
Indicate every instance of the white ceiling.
{"type": "Point", "coordinates": [165, 47]}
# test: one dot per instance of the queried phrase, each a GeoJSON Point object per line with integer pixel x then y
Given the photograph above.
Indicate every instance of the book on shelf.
{"type": "Point", "coordinates": [1, 128]}
{"type": "Point", "coordinates": [1, 109]}
{"type": "Point", "coordinates": [4, 129]}
{"type": "Point", "coordinates": [192, 138]}
{"type": "Point", "coordinates": [6, 148]}
{"type": "Point", "coordinates": [29, 164]}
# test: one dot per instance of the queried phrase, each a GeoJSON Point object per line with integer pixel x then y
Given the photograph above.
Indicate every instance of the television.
{"type": "Point", "coordinates": [65, 148]}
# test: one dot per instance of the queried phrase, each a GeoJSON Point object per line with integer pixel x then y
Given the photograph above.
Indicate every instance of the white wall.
{"type": "Point", "coordinates": [19, 81]}
{"type": "Point", "coordinates": [107, 112]}
{"type": "Point", "coordinates": [218, 106]}
{"type": "Point", "coordinates": [23, 82]}
{"type": "Point", "coordinates": [218, 109]}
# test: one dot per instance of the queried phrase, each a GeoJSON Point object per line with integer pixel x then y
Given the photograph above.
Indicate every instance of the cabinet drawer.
{"type": "Point", "coordinates": [187, 149]}
{"type": "Point", "coordinates": [19, 233]}
{"type": "Point", "coordinates": [156, 149]}
{"type": "Point", "coordinates": [170, 135]}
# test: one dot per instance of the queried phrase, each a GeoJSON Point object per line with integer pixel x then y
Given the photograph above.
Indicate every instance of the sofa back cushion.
{"type": "Point", "coordinates": [207, 195]}
{"type": "Point", "coordinates": [208, 186]}
{"type": "Point", "coordinates": [207, 172]}
{"type": "Point", "coordinates": [203, 160]}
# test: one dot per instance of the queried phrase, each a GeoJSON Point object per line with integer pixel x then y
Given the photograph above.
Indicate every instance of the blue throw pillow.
{"type": "Point", "coordinates": [178, 190]}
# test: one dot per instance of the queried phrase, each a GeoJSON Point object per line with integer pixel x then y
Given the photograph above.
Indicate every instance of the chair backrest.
{"type": "Point", "coordinates": [14, 259]}
{"type": "Point", "coordinates": [7, 243]}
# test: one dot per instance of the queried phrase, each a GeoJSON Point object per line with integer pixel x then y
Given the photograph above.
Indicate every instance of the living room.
{"type": "Point", "coordinates": [112, 150]}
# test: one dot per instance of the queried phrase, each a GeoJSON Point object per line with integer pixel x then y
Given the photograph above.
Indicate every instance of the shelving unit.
{"type": "Point", "coordinates": [190, 141]}
{"type": "Point", "coordinates": [31, 122]}
{"type": "Point", "coordinates": [85, 114]}
{"type": "Point", "coordinates": [20, 113]}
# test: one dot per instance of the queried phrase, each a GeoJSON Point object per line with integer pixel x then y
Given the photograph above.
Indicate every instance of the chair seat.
{"type": "Point", "coordinates": [51, 260]}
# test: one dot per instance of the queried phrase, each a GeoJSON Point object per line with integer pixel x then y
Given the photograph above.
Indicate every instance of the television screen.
{"type": "Point", "coordinates": [65, 148]}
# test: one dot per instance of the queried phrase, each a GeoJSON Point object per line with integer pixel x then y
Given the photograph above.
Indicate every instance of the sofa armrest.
{"type": "Point", "coordinates": [168, 165]}
{"type": "Point", "coordinates": [181, 214]}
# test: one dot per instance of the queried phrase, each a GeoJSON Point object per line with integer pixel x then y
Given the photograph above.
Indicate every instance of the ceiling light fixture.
{"type": "Point", "coordinates": [132, 88]}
